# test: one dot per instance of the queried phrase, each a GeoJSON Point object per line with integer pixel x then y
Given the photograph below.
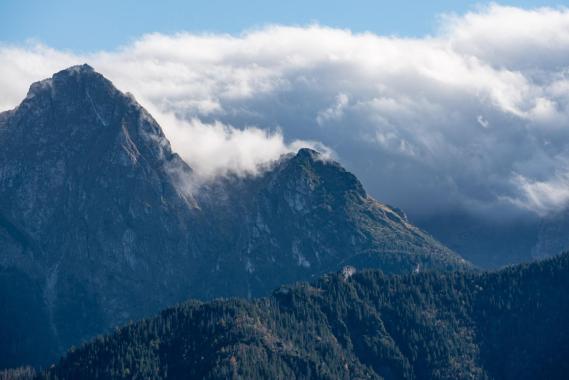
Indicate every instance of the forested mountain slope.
{"type": "Point", "coordinates": [510, 324]}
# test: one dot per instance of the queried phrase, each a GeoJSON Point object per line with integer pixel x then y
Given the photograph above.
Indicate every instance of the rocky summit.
{"type": "Point", "coordinates": [97, 227]}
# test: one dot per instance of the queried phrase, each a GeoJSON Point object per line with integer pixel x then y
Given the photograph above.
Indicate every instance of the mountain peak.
{"type": "Point", "coordinates": [78, 112]}
{"type": "Point", "coordinates": [70, 77]}
{"type": "Point", "coordinates": [308, 154]}
{"type": "Point", "coordinates": [80, 68]}
{"type": "Point", "coordinates": [79, 98]}
{"type": "Point", "coordinates": [312, 165]}
{"type": "Point", "coordinates": [77, 70]}
{"type": "Point", "coordinates": [79, 73]}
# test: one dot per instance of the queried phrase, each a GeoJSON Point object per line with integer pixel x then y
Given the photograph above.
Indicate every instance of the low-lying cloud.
{"type": "Point", "coordinates": [215, 149]}
{"type": "Point", "coordinates": [474, 117]}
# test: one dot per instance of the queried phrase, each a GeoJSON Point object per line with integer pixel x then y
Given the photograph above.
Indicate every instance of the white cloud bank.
{"type": "Point", "coordinates": [215, 149]}
{"type": "Point", "coordinates": [474, 117]}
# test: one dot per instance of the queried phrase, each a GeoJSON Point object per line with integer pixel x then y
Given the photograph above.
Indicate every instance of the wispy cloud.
{"type": "Point", "coordinates": [475, 116]}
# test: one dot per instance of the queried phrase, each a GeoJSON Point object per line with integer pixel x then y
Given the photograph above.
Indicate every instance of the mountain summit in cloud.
{"type": "Point", "coordinates": [97, 226]}
{"type": "Point", "coordinates": [471, 117]}
{"type": "Point", "coordinates": [467, 125]}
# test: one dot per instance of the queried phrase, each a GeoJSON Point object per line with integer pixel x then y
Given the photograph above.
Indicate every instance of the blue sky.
{"type": "Point", "coordinates": [474, 118]}
{"type": "Point", "coordinates": [107, 24]}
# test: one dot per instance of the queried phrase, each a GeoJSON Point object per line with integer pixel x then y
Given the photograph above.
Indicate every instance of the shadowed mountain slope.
{"type": "Point", "coordinates": [97, 227]}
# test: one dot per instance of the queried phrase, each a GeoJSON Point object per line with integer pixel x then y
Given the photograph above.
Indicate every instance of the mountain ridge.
{"type": "Point", "coordinates": [430, 325]}
{"type": "Point", "coordinates": [95, 226]}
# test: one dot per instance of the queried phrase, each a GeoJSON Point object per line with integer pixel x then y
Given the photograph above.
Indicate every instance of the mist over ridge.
{"type": "Point", "coordinates": [472, 118]}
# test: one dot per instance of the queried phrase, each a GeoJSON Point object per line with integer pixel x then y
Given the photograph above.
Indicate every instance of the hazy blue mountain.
{"type": "Point", "coordinates": [491, 244]}
{"type": "Point", "coordinates": [553, 235]}
{"type": "Point", "coordinates": [96, 227]}
{"type": "Point", "coordinates": [510, 324]}
{"type": "Point", "coordinates": [486, 242]}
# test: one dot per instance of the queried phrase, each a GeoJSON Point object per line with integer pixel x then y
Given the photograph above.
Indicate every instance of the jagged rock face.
{"type": "Point", "coordinates": [88, 208]}
{"type": "Point", "coordinates": [95, 226]}
{"type": "Point", "coordinates": [303, 217]}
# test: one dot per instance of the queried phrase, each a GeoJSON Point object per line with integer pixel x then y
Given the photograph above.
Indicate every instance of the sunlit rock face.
{"type": "Point", "coordinates": [99, 223]}
{"type": "Point", "coordinates": [88, 210]}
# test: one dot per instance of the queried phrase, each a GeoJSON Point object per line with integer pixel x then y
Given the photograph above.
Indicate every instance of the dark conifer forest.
{"type": "Point", "coordinates": [510, 324]}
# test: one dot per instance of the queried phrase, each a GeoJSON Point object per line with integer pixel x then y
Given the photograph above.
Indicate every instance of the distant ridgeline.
{"type": "Point", "coordinates": [511, 324]}
{"type": "Point", "coordinates": [98, 228]}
